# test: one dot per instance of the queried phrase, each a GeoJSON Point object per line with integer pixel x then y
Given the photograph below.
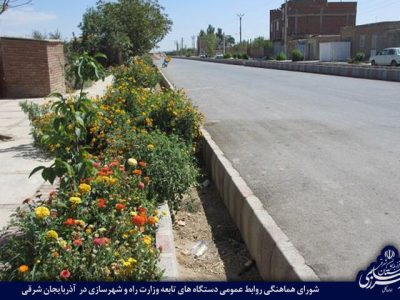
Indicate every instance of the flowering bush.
{"type": "Point", "coordinates": [137, 74]}
{"type": "Point", "coordinates": [117, 157]}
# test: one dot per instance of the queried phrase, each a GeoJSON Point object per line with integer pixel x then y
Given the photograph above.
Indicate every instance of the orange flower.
{"type": "Point", "coordinates": [142, 164]}
{"type": "Point", "coordinates": [142, 211]}
{"type": "Point", "coordinates": [77, 242]}
{"type": "Point", "coordinates": [120, 206]}
{"type": "Point", "coordinates": [137, 172]}
{"type": "Point", "coordinates": [23, 269]}
{"type": "Point", "coordinates": [151, 220]}
{"type": "Point", "coordinates": [70, 222]}
{"type": "Point", "coordinates": [139, 220]}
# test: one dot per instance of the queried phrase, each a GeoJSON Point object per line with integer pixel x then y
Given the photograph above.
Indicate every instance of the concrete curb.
{"type": "Point", "coordinates": [276, 257]}
{"type": "Point", "coordinates": [365, 72]}
{"type": "Point", "coordinates": [165, 241]}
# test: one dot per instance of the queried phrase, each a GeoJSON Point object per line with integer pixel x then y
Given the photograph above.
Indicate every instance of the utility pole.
{"type": "Point", "coordinates": [285, 29]}
{"type": "Point", "coordinates": [193, 41]}
{"type": "Point", "coordinates": [224, 44]}
{"type": "Point", "coordinates": [240, 29]}
{"type": "Point", "coordinates": [182, 44]}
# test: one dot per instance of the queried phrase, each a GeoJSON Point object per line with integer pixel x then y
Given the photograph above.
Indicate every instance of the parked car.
{"type": "Point", "coordinates": [388, 57]}
{"type": "Point", "coordinates": [203, 56]}
{"type": "Point", "coordinates": [219, 56]}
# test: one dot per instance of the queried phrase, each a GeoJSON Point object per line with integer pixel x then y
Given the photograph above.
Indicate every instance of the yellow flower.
{"type": "Point", "coordinates": [75, 200]}
{"type": "Point", "coordinates": [84, 188]}
{"type": "Point", "coordinates": [88, 230]}
{"type": "Point", "coordinates": [55, 254]}
{"type": "Point", "coordinates": [147, 239]}
{"type": "Point", "coordinates": [156, 219]}
{"type": "Point", "coordinates": [80, 223]}
{"type": "Point", "coordinates": [42, 212]}
{"type": "Point", "coordinates": [133, 213]}
{"type": "Point", "coordinates": [126, 264]}
{"type": "Point", "coordinates": [150, 147]}
{"type": "Point", "coordinates": [62, 243]}
{"type": "Point", "coordinates": [125, 236]}
{"type": "Point", "coordinates": [23, 269]}
{"type": "Point", "coordinates": [132, 260]}
{"type": "Point", "coordinates": [132, 162]}
{"type": "Point", "coordinates": [51, 234]}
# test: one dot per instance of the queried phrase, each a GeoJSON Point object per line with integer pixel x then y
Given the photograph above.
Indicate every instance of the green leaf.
{"type": "Point", "coordinates": [35, 170]}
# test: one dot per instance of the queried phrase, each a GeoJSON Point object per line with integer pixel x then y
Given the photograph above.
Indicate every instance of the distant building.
{"type": "Point", "coordinates": [371, 38]}
{"type": "Point", "coordinates": [307, 18]}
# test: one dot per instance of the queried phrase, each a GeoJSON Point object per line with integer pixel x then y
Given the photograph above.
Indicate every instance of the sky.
{"type": "Point", "coordinates": [188, 16]}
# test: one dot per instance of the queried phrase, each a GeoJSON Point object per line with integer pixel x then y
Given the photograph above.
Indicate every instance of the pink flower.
{"type": "Point", "coordinates": [65, 274]}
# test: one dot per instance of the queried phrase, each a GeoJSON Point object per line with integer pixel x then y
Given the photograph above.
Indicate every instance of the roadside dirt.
{"type": "Point", "coordinates": [203, 217]}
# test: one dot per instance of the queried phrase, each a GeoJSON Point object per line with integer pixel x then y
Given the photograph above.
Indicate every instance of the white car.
{"type": "Point", "coordinates": [388, 57]}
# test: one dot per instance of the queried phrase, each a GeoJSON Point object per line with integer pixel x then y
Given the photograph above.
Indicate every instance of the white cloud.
{"type": "Point", "coordinates": [25, 16]}
{"type": "Point", "coordinates": [22, 20]}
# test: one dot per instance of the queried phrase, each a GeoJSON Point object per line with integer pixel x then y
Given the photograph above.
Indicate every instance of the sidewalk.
{"type": "Point", "coordinates": [18, 157]}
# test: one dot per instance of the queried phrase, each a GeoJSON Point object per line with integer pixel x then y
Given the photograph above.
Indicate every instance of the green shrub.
{"type": "Point", "coordinates": [170, 162]}
{"type": "Point", "coordinates": [227, 56]}
{"type": "Point", "coordinates": [147, 58]}
{"type": "Point", "coordinates": [360, 57]}
{"type": "Point", "coordinates": [297, 55]}
{"type": "Point", "coordinates": [281, 56]}
{"type": "Point", "coordinates": [245, 56]}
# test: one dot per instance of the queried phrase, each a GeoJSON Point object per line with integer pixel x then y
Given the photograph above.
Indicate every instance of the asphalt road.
{"type": "Point", "coordinates": [321, 152]}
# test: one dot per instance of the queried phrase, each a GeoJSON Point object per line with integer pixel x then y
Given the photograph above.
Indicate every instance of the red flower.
{"type": "Point", "coordinates": [142, 164]}
{"type": "Point", "coordinates": [122, 168]}
{"type": "Point", "coordinates": [70, 222]}
{"type": "Point", "coordinates": [65, 274]}
{"type": "Point", "coordinates": [77, 242]}
{"type": "Point", "coordinates": [96, 165]}
{"type": "Point", "coordinates": [120, 206]}
{"type": "Point", "coordinates": [137, 172]}
{"type": "Point", "coordinates": [101, 203]}
{"type": "Point", "coordinates": [139, 220]}
{"type": "Point", "coordinates": [140, 185]}
{"type": "Point", "coordinates": [101, 241]}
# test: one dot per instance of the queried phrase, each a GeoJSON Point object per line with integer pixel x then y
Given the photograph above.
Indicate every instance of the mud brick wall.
{"type": "Point", "coordinates": [31, 68]}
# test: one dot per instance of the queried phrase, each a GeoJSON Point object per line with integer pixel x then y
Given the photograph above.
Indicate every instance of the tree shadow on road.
{"type": "Point", "coordinates": [27, 151]}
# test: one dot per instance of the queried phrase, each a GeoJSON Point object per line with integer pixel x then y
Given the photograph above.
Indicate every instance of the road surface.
{"type": "Point", "coordinates": [321, 152]}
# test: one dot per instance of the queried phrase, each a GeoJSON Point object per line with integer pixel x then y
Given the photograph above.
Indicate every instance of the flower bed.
{"type": "Point", "coordinates": [116, 158]}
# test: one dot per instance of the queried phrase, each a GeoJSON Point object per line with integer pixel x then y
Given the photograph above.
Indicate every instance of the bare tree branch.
{"type": "Point", "coordinates": [7, 4]}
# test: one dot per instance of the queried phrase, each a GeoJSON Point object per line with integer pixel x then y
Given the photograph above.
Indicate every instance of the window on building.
{"type": "Point", "coordinates": [362, 41]}
{"type": "Point", "coordinates": [272, 26]}
{"type": "Point", "coordinates": [277, 25]}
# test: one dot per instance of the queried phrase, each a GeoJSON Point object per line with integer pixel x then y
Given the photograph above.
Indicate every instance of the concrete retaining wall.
{"type": "Point", "coordinates": [276, 257]}
{"type": "Point", "coordinates": [366, 72]}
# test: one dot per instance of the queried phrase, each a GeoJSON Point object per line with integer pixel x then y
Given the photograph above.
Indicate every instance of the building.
{"type": "Point", "coordinates": [307, 18]}
{"type": "Point", "coordinates": [371, 38]}
{"type": "Point", "coordinates": [31, 68]}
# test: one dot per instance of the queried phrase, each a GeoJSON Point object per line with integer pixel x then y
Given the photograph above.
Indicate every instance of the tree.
{"type": "Point", "coordinates": [261, 42]}
{"type": "Point", "coordinates": [124, 28]}
{"type": "Point", "coordinates": [37, 35]}
{"type": "Point", "coordinates": [7, 4]}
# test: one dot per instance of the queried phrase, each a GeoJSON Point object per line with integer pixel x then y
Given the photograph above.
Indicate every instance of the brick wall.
{"type": "Point", "coordinates": [56, 63]}
{"type": "Point", "coordinates": [372, 37]}
{"type": "Point", "coordinates": [31, 68]}
{"type": "Point", "coordinates": [312, 17]}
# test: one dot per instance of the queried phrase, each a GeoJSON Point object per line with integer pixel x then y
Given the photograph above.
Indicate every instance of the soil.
{"type": "Point", "coordinates": [204, 217]}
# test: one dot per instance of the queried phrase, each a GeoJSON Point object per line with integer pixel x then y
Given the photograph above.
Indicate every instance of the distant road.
{"type": "Point", "coordinates": [321, 152]}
